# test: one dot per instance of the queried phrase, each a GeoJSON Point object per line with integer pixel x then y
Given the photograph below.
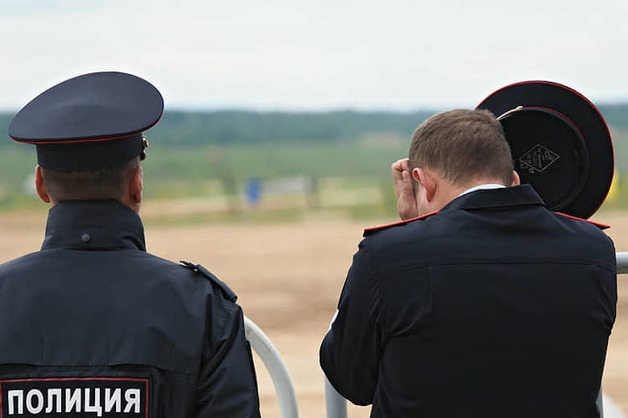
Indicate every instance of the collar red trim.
{"type": "Point", "coordinates": [369, 231]}
{"type": "Point", "coordinates": [599, 225]}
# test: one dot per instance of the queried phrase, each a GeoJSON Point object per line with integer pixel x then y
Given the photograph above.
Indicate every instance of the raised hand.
{"type": "Point", "coordinates": [406, 199]}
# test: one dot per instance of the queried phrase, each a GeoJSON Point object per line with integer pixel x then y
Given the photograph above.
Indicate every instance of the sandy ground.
{"type": "Point", "coordinates": [288, 278]}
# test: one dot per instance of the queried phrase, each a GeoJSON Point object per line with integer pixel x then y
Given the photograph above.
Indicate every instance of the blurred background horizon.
{"type": "Point", "coordinates": [253, 166]}
{"type": "Point", "coordinates": [297, 108]}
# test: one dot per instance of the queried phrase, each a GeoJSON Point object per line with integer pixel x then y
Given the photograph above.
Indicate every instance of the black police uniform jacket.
{"type": "Point", "coordinates": [492, 307]}
{"type": "Point", "coordinates": [94, 326]}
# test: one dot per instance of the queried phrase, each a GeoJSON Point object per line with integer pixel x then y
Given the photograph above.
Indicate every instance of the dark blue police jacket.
{"type": "Point", "coordinates": [492, 307]}
{"type": "Point", "coordinates": [94, 326]}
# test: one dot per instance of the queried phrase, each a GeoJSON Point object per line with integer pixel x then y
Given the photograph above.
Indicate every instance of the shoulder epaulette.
{"type": "Point", "coordinates": [227, 292]}
{"type": "Point", "coordinates": [370, 231]}
{"type": "Point", "coordinates": [599, 225]}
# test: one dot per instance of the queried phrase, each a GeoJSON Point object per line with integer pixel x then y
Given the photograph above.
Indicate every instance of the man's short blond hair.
{"type": "Point", "coordinates": [463, 146]}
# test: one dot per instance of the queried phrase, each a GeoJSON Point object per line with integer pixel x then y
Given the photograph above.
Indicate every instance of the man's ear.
{"type": "Point", "coordinates": [428, 180]}
{"type": "Point", "coordinates": [136, 185]}
{"type": "Point", "coordinates": [416, 175]}
{"type": "Point", "coordinates": [516, 181]}
{"type": "Point", "coordinates": [42, 192]}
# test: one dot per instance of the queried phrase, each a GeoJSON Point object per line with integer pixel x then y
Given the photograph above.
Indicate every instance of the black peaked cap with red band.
{"type": "Point", "coordinates": [560, 144]}
{"type": "Point", "coordinates": [89, 122]}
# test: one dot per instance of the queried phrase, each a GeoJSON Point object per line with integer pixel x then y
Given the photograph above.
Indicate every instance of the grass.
{"type": "Point", "coordinates": [352, 178]}
{"type": "Point", "coordinates": [350, 159]}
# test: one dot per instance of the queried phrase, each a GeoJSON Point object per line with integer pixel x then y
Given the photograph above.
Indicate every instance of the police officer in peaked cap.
{"type": "Point", "coordinates": [92, 324]}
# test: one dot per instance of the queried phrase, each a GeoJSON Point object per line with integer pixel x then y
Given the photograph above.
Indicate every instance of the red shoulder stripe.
{"type": "Point", "coordinates": [599, 225]}
{"type": "Point", "coordinates": [369, 231]}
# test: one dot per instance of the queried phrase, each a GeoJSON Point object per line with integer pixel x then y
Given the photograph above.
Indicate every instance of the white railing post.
{"type": "Point", "coordinates": [622, 263]}
{"type": "Point", "coordinates": [336, 405]}
{"type": "Point", "coordinates": [276, 367]}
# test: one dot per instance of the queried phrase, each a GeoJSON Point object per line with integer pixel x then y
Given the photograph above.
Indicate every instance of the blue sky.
{"type": "Point", "coordinates": [323, 54]}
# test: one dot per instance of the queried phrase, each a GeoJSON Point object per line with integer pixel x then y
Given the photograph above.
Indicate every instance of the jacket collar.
{"type": "Point", "coordinates": [91, 225]}
{"type": "Point", "coordinates": [523, 195]}
{"type": "Point", "coordinates": [479, 199]}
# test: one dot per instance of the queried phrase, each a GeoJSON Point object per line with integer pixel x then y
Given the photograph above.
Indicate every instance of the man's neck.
{"type": "Point", "coordinates": [451, 192]}
{"type": "Point", "coordinates": [134, 206]}
{"type": "Point", "coordinates": [486, 186]}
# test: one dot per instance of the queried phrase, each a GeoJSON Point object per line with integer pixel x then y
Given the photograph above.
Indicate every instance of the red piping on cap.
{"type": "Point", "coordinates": [377, 228]}
{"type": "Point", "coordinates": [78, 141]}
{"type": "Point", "coordinates": [87, 140]}
{"type": "Point", "coordinates": [599, 225]}
{"type": "Point", "coordinates": [557, 85]}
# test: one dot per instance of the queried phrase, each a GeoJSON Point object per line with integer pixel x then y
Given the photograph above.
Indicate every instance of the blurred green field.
{"type": "Point", "coordinates": [352, 168]}
{"type": "Point", "coordinates": [167, 170]}
{"type": "Point", "coordinates": [348, 177]}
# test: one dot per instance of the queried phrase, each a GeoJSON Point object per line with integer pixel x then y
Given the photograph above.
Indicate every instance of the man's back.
{"type": "Point", "coordinates": [492, 307]}
{"type": "Point", "coordinates": [92, 323]}
{"type": "Point", "coordinates": [93, 311]}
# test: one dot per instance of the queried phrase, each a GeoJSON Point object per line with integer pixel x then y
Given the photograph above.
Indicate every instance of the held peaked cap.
{"type": "Point", "coordinates": [560, 144]}
{"type": "Point", "coordinates": [89, 122]}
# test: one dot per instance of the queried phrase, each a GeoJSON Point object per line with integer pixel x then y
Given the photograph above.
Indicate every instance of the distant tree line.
{"type": "Point", "coordinates": [234, 127]}
{"type": "Point", "coordinates": [240, 127]}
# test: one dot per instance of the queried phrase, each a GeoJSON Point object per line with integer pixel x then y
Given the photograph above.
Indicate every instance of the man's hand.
{"type": "Point", "coordinates": [406, 199]}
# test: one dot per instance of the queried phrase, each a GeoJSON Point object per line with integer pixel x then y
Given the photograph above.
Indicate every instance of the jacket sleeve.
{"type": "Point", "coordinates": [350, 352]}
{"type": "Point", "coordinates": [227, 385]}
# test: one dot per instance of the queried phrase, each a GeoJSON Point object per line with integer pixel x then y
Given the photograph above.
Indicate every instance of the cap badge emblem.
{"type": "Point", "coordinates": [537, 159]}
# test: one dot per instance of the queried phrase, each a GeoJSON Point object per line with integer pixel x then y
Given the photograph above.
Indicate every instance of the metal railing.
{"type": "Point", "coordinates": [276, 367]}
{"type": "Point", "coordinates": [336, 405]}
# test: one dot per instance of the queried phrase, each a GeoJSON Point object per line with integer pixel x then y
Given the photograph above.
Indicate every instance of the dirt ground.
{"type": "Point", "coordinates": [288, 278]}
